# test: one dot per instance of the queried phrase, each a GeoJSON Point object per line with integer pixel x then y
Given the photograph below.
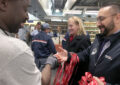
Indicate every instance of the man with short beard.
{"type": "Point", "coordinates": [17, 66]}
{"type": "Point", "coordinates": [104, 54]}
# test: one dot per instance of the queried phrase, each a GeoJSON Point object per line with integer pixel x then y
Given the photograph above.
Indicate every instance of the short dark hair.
{"type": "Point", "coordinates": [42, 29]}
{"type": "Point", "coordinates": [38, 23]}
{"type": "Point", "coordinates": [114, 6]}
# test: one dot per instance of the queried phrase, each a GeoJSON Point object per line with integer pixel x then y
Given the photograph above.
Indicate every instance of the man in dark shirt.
{"type": "Point", "coordinates": [104, 54]}
{"type": "Point", "coordinates": [42, 46]}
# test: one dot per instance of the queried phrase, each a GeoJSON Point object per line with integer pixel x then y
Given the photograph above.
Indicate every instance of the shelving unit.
{"type": "Point", "coordinates": [92, 29]}
{"type": "Point", "coordinates": [55, 24]}
{"type": "Point", "coordinates": [63, 29]}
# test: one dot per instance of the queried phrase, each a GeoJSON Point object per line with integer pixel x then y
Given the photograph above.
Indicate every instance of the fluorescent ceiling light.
{"type": "Point", "coordinates": [32, 17]}
{"type": "Point", "coordinates": [46, 5]}
{"type": "Point", "coordinates": [65, 20]}
{"type": "Point", "coordinates": [57, 10]}
{"type": "Point", "coordinates": [56, 19]}
{"type": "Point", "coordinates": [69, 4]}
{"type": "Point", "coordinates": [72, 12]}
{"type": "Point", "coordinates": [91, 12]}
{"type": "Point", "coordinates": [48, 12]}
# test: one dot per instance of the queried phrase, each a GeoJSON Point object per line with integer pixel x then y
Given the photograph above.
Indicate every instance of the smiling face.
{"type": "Point", "coordinates": [105, 21]}
{"type": "Point", "coordinates": [15, 13]}
{"type": "Point", "coordinates": [75, 26]}
{"type": "Point", "coordinates": [72, 27]}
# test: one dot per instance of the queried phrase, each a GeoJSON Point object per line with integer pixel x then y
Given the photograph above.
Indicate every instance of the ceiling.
{"type": "Point", "coordinates": [63, 9]}
{"type": "Point", "coordinates": [36, 9]}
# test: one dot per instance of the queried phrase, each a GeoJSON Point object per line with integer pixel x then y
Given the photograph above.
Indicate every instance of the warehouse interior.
{"type": "Point", "coordinates": [49, 10]}
{"type": "Point", "coordinates": [57, 12]}
{"type": "Point", "coordinates": [60, 42]}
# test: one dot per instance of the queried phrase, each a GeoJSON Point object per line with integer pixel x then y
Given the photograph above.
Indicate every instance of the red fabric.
{"type": "Point", "coordinates": [89, 80]}
{"type": "Point", "coordinates": [68, 69]}
{"type": "Point", "coordinates": [71, 38]}
{"type": "Point", "coordinates": [65, 71]}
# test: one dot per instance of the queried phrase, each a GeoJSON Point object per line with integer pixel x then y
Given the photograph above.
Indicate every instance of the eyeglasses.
{"type": "Point", "coordinates": [102, 18]}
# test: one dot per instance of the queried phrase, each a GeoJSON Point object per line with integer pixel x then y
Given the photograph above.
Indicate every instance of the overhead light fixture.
{"type": "Point", "coordinates": [57, 10]}
{"type": "Point", "coordinates": [72, 12]}
{"type": "Point", "coordinates": [91, 12]}
{"type": "Point", "coordinates": [55, 19]}
{"type": "Point", "coordinates": [69, 4]}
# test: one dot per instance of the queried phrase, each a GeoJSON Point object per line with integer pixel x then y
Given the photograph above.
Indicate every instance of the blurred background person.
{"type": "Point", "coordinates": [50, 33]}
{"type": "Point", "coordinates": [36, 30]}
{"type": "Point", "coordinates": [64, 40]}
{"type": "Point", "coordinates": [23, 33]}
{"type": "Point", "coordinates": [42, 46]}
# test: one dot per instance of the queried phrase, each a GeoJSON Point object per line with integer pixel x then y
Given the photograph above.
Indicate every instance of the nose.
{"type": "Point", "coordinates": [98, 23]}
{"type": "Point", "coordinates": [26, 16]}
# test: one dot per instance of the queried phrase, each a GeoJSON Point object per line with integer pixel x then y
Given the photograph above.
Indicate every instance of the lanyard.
{"type": "Point", "coordinates": [67, 70]}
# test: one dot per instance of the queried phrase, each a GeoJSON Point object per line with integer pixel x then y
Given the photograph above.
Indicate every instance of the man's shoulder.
{"type": "Point", "coordinates": [12, 48]}
{"type": "Point", "coordinates": [42, 35]}
{"type": "Point", "coordinates": [17, 62]}
{"type": "Point", "coordinates": [13, 45]}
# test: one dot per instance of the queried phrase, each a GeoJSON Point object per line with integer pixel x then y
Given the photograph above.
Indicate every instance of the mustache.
{"type": "Point", "coordinates": [101, 26]}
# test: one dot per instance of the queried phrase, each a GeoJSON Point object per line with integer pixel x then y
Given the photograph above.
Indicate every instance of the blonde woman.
{"type": "Point", "coordinates": [76, 42]}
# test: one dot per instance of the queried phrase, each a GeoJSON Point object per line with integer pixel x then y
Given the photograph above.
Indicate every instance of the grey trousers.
{"type": "Point", "coordinates": [40, 63]}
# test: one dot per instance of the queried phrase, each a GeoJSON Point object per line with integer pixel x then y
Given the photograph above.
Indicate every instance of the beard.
{"type": "Point", "coordinates": [14, 27]}
{"type": "Point", "coordinates": [107, 29]}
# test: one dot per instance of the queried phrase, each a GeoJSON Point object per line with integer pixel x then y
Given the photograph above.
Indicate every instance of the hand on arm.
{"type": "Point", "coordinates": [46, 72]}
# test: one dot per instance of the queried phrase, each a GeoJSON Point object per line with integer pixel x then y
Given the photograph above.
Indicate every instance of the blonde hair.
{"type": "Point", "coordinates": [79, 22]}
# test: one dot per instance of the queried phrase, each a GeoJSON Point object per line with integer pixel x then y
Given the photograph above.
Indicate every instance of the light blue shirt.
{"type": "Point", "coordinates": [34, 32]}
{"type": "Point", "coordinates": [22, 34]}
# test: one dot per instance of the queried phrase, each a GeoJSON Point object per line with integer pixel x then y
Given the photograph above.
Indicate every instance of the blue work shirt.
{"type": "Point", "coordinates": [42, 45]}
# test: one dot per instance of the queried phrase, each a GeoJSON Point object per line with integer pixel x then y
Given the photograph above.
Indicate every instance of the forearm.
{"type": "Point", "coordinates": [84, 55]}
{"type": "Point", "coordinates": [46, 75]}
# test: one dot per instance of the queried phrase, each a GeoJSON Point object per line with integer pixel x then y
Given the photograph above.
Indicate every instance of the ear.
{"type": "Point", "coordinates": [3, 5]}
{"type": "Point", "coordinates": [117, 19]}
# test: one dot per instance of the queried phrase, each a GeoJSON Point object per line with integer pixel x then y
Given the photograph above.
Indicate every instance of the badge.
{"type": "Point", "coordinates": [94, 51]}
{"type": "Point", "coordinates": [108, 57]}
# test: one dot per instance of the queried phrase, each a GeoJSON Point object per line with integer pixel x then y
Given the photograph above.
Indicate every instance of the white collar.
{"type": "Point", "coordinates": [4, 32]}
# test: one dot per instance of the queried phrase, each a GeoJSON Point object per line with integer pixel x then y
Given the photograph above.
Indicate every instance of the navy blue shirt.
{"type": "Point", "coordinates": [42, 45]}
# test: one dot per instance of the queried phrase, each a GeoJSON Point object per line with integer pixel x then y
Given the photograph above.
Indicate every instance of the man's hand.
{"type": "Point", "coordinates": [61, 55]}
{"type": "Point", "coordinates": [98, 81]}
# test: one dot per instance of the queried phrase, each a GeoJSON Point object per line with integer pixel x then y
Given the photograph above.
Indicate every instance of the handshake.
{"type": "Point", "coordinates": [60, 56]}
